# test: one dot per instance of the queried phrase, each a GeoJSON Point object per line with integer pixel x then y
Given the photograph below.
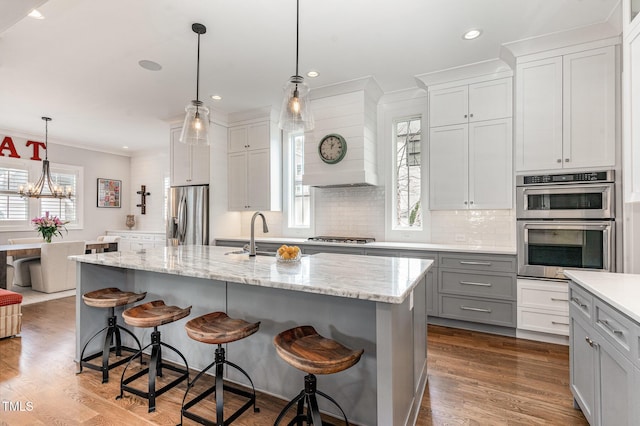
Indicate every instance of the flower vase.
{"type": "Point", "coordinates": [131, 221]}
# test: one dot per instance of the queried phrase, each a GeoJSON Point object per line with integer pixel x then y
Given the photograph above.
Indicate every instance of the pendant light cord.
{"type": "Point", "coordinates": [46, 138]}
{"type": "Point", "coordinates": [198, 73]}
{"type": "Point", "coordinates": [297, 32]}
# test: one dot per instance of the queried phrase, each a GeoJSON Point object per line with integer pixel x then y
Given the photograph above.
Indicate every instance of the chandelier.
{"type": "Point", "coordinates": [35, 190]}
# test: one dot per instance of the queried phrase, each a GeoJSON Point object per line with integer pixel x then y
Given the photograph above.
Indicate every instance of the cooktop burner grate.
{"type": "Point", "coordinates": [348, 240]}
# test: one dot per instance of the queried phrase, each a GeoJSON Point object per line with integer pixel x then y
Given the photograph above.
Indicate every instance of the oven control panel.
{"type": "Point", "coordinates": [603, 176]}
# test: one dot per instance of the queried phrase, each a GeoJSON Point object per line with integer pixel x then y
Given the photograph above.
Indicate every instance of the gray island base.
{"type": "Point", "coordinates": [374, 303]}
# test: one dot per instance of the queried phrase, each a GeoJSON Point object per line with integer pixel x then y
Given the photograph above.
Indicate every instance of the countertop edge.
{"type": "Point", "coordinates": [384, 245]}
{"type": "Point", "coordinates": [619, 291]}
{"type": "Point", "coordinates": [97, 259]}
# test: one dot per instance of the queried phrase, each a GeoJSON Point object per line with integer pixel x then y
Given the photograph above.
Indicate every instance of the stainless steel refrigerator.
{"type": "Point", "coordinates": [188, 211]}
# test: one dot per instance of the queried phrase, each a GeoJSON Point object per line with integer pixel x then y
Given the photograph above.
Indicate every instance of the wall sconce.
{"type": "Point", "coordinates": [143, 199]}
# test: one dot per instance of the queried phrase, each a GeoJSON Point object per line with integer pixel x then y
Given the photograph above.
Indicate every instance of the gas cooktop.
{"type": "Point", "coordinates": [348, 240]}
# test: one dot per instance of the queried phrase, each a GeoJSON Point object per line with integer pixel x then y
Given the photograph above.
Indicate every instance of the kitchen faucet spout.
{"type": "Point", "coordinates": [265, 229]}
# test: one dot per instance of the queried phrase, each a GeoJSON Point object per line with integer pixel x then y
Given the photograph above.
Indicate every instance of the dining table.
{"type": "Point", "coordinates": [33, 249]}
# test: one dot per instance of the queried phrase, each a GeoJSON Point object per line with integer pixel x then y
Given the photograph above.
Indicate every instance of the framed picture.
{"type": "Point", "coordinates": [109, 193]}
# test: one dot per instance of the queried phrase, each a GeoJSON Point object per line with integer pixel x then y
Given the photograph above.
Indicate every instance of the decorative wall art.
{"type": "Point", "coordinates": [109, 191]}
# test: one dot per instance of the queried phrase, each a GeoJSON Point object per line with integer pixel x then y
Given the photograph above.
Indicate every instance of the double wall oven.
{"type": "Point", "coordinates": [565, 221]}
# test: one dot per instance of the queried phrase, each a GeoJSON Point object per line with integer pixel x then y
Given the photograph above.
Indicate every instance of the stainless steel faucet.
{"type": "Point", "coordinates": [265, 229]}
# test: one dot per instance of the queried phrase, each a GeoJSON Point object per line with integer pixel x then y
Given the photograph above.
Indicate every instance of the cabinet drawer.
{"type": "Point", "coordinates": [478, 284]}
{"type": "Point", "coordinates": [580, 301]}
{"type": "Point", "coordinates": [478, 262]}
{"type": "Point", "coordinates": [478, 310]}
{"type": "Point", "coordinates": [543, 321]}
{"type": "Point", "coordinates": [615, 327]}
{"type": "Point", "coordinates": [548, 295]}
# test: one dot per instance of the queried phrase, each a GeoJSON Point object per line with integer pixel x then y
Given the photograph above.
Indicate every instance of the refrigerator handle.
{"type": "Point", "coordinates": [182, 218]}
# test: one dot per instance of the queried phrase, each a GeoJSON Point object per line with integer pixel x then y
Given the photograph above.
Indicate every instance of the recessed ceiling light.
{"type": "Point", "coordinates": [471, 34]}
{"type": "Point", "coordinates": [125, 147]}
{"type": "Point", "coordinates": [35, 14]}
{"type": "Point", "coordinates": [150, 65]}
{"type": "Point", "coordinates": [216, 97]}
{"type": "Point", "coordinates": [313, 74]}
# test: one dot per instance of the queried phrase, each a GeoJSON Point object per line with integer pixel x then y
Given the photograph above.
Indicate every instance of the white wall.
{"type": "Point", "coordinates": [149, 169]}
{"type": "Point", "coordinates": [96, 165]}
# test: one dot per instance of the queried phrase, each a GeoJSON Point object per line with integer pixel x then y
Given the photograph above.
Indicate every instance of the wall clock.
{"type": "Point", "coordinates": [332, 148]}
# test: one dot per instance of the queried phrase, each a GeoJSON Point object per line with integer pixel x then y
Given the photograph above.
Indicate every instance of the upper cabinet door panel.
{"type": "Point", "coordinates": [448, 106]}
{"type": "Point", "coordinates": [589, 108]}
{"type": "Point", "coordinates": [490, 165]}
{"type": "Point", "coordinates": [448, 168]}
{"type": "Point", "coordinates": [490, 100]}
{"type": "Point", "coordinates": [238, 139]}
{"type": "Point", "coordinates": [539, 115]}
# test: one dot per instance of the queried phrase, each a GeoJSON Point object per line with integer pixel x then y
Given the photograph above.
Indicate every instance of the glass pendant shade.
{"type": "Point", "coordinates": [295, 114]}
{"type": "Point", "coordinates": [195, 129]}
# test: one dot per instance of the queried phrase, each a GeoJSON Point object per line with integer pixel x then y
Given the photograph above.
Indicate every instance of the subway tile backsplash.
{"type": "Point", "coordinates": [359, 211]}
{"type": "Point", "coordinates": [350, 211]}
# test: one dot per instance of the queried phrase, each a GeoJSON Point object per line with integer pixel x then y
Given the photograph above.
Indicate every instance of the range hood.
{"type": "Point", "coordinates": [348, 109]}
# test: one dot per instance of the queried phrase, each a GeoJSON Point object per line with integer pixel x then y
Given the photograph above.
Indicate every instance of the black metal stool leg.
{"type": "Point", "coordinates": [84, 348]}
{"type": "Point", "coordinates": [324, 395]}
{"type": "Point", "coordinates": [288, 407]}
{"type": "Point", "coordinates": [154, 368]}
{"type": "Point", "coordinates": [219, 386]}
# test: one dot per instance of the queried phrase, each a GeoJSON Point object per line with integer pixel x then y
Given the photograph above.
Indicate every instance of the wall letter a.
{"type": "Point", "coordinates": [7, 143]}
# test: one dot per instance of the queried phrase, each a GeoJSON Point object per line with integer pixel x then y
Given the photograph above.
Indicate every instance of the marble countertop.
{"type": "Point", "coordinates": [622, 291]}
{"type": "Point", "coordinates": [380, 279]}
{"type": "Point", "coordinates": [463, 248]}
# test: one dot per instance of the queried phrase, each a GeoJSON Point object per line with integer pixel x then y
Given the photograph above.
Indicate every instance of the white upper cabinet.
{"type": "Point", "coordinates": [631, 108]}
{"type": "Point", "coordinates": [487, 100]}
{"type": "Point", "coordinates": [539, 114]}
{"type": "Point", "coordinates": [565, 111]}
{"type": "Point", "coordinates": [470, 166]}
{"type": "Point", "coordinates": [189, 163]}
{"type": "Point", "coordinates": [471, 161]}
{"type": "Point", "coordinates": [254, 167]}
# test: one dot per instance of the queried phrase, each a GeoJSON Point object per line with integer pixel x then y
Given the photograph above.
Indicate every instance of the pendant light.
{"type": "Point", "coordinates": [295, 114]}
{"type": "Point", "coordinates": [34, 190]}
{"type": "Point", "coordinates": [195, 129]}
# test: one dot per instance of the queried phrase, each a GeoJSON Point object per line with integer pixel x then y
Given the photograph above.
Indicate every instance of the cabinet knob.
{"type": "Point", "coordinates": [470, 115]}
{"type": "Point", "coordinates": [465, 116]}
{"type": "Point", "coordinates": [566, 160]}
{"type": "Point", "coordinates": [465, 203]}
{"type": "Point", "coordinates": [559, 160]}
{"type": "Point", "coordinates": [470, 202]}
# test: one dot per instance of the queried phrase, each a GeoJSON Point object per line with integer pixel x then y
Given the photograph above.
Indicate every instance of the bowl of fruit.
{"type": "Point", "coordinates": [288, 254]}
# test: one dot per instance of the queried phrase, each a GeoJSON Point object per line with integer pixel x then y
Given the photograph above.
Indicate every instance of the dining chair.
{"type": "Point", "coordinates": [21, 264]}
{"type": "Point", "coordinates": [55, 272]}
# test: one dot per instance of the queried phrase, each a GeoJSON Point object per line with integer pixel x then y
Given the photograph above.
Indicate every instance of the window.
{"type": "Point", "coordinates": [408, 174]}
{"type": "Point", "coordinates": [12, 206]}
{"type": "Point", "coordinates": [299, 196]}
{"type": "Point", "coordinates": [64, 208]}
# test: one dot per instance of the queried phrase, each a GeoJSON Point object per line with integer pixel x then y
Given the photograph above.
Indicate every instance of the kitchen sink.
{"type": "Point", "coordinates": [258, 253]}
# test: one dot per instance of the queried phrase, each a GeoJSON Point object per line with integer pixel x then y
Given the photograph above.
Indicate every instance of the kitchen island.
{"type": "Point", "coordinates": [377, 304]}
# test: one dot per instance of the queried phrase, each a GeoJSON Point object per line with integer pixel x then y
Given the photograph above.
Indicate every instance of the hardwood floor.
{"type": "Point", "coordinates": [474, 379]}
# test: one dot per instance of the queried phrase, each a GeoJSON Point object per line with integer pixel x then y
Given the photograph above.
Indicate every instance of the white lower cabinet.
{"type": "Point", "coordinates": [543, 306]}
{"type": "Point", "coordinates": [138, 240]}
{"type": "Point", "coordinates": [604, 378]}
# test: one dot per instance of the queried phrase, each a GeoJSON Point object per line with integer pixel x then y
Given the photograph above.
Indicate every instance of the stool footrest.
{"type": "Point", "coordinates": [85, 361]}
{"type": "Point", "coordinates": [212, 390]}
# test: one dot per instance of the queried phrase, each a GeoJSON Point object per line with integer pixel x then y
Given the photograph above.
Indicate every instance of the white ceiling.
{"type": "Point", "coordinates": [79, 65]}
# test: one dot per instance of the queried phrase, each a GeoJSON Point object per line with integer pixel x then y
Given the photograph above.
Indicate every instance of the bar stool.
{"type": "Point", "coordinates": [217, 328]}
{"type": "Point", "coordinates": [154, 314]}
{"type": "Point", "coordinates": [110, 298]}
{"type": "Point", "coordinates": [306, 350]}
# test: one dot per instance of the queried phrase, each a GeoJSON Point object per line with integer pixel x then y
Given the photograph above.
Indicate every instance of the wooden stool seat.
{"type": "Point", "coordinates": [306, 350]}
{"type": "Point", "coordinates": [154, 314]}
{"type": "Point", "coordinates": [111, 297]}
{"type": "Point", "coordinates": [218, 328]}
